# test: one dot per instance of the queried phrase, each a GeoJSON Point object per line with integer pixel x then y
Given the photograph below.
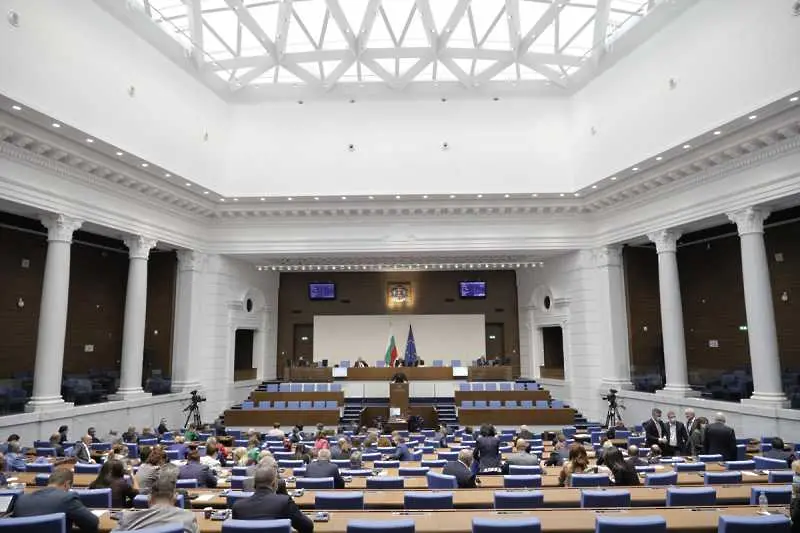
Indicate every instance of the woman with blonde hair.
{"type": "Point", "coordinates": [240, 457]}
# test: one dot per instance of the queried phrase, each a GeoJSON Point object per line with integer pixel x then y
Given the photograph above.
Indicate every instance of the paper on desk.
{"type": "Point", "coordinates": [10, 479]}
{"type": "Point", "coordinates": [204, 498]}
{"type": "Point", "coordinates": [749, 473]}
{"type": "Point", "coordinates": [99, 512]}
{"type": "Point", "coordinates": [660, 467]}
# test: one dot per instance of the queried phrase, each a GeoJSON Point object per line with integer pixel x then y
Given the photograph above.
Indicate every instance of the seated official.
{"type": "Point", "coordinates": [360, 363]}
{"type": "Point", "coordinates": [130, 435]}
{"type": "Point", "coordinates": [162, 428]}
{"type": "Point", "coordinates": [112, 476]}
{"type": "Point", "coordinates": [525, 433]}
{"type": "Point", "coordinates": [577, 463]}
{"type": "Point", "coordinates": [3, 480]}
{"type": "Point", "coordinates": [162, 510]}
{"type": "Point", "coordinates": [82, 452]}
{"type": "Point", "coordinates": [193, 469]}
{"type": "Point", "coordinates": [341, 450]}
{"type": "Point", "coordinates": [778, 451]}
{"type": "Point", "coordinates": [15, 459]}
{"type": "Point", "coordinates": [623, 473]}
{"type": "Point", "coordinates": [520, 457]}
{"type": "Point", "coordinates": [323, 467]}
{"type": "Point", "coordinates": [57, 498]}
{"type": "Point", "coordinates": [265, 504]}
{"type": "Point", "coordinates": [401, 452]}
{"type": "Point", "coordinates": [633, 457]}
{"type": "Point", "coordinates": [654, 456]}
{"type": "Point", "coordinates": [462, 470]}
{"type": "Point", "coordinates": [55, 443]}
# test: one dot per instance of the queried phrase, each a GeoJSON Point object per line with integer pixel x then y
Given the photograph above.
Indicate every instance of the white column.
{"type": "Point", "coordinates": [53, 315]}
{"type": "Point", "coordinates": [187, 337]}
{"type": "Point", "coordinates": [616, 368]}
{"type": "Point", "coordinates": [130, 381]}
{"type": "Point", "coordinates": [669, 290]}
{"type": "Point", "coordinates": [761, 333]}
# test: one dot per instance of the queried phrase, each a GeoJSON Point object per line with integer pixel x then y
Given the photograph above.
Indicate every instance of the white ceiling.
{"type": "Point", "coordinates": [271, 44]}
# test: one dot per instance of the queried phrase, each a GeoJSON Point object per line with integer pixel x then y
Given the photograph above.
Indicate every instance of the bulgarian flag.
{"type": "Point", "coordinates": [391, 352]}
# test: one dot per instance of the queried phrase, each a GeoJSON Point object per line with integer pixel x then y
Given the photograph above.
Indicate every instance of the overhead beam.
{"type": "Point", "coordinates": [341, 21]}
{"type": "Point", "coordinates": [252, 25]}
{"type": "Point", "coordinates": [512, 15]}
{"type": "Point", "coordinates": [331, 79]}
{"type": "Point", "coordinates": [492, 71]}
{"type": "Point", "coordinates": [457, 71]}
{"type": "Point", "coordinates": [600, 29]}
{"type": "Point", "coordinates": [546, 71]}
{"type": "Point", "coordinates": [547, 18]}
{"type": "Point", "coordinates": [366, 25]}
{"type": "Point", "coordinates": [282, 29]}
{"type": "Point", "coordinates": [381, 72]}
{"type": "Point", "coordinates": [452, 22]}
{"type": "Point", "coordinates": [424, 8]}
{"type": "Point", "coordinates": [414, 71]}
{"type": "Point", "coordinates": [195, 15]}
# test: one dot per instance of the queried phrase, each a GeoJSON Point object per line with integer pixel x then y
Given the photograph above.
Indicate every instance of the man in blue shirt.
{"type": "Point", "coordinates": [402, 453]}
{"type": "Point", "coordinates": [15, 460]}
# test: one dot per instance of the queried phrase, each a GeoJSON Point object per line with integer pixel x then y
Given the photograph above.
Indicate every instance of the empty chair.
{"type": "Point", "coordinates": [495, 404]}
{"type": "Point", "coordinates": [339, 500]}
{"type": "Point", "coordinates": [506, 386]}
{"type": "Point", "coordinates": [438, 362]}
{"type": "Point", "coordinates": [480, 404]}
{"type": "Point", "coordinates": [775, 495]}
{"type": "Point", "coordinates": [283, 525]}
{"type": "Point", "coordinates": [39, 467]}
{"type": "Point", "coordinates": [467, 404]}
{"type": "Point", "coordinates": [637, 524]}
{"type": "Point", "coordinates": [413, 470]}
{"type": "Point", "coordinates": [780, 476]}
{"type": "Point", "coordinates": [290, 463]}
{"type": "Point", "coordinates": [101, 446]}
{"type": "Point", "coordinates": [428, 500]}
{"type": "Point", "coordinates": [370, 456]}
{"type": "Point", "coordinates": [590, 480]}
{"type": "Point", "coordinates": [272, 387]}
{"type": "Point", "coordinates": [239, 482]}
{"type": "Point", "coordinates": [490, 386]}
{"type": "Point", "coordinates": [309, 387]}
{"type": "Point", "coordinates": [685, 496]}
{"type": "Point", "coordinates": [385, 482]}
{"type": "Point", "coordinates": [511, 403]}
{"type": "Point", "coordinates": [720, 478]}
{"type": "Point", "coordinates": [322, 387]}
{"type": "Point", "coordinates": [768, 463]}
{"type": "Point", "coordinates": [667, 478]}
{"type": "Point", "coordinates": [95, 498]}
{"type": "Point", "coordinates": [299, 472]}
{"type": "Point", "coordinates": [239, 471]}
{"type": "Point", "coordinates": [709, 458]}
{"type": "Point", "coordinates": [740, 465]}
{"type": "Point", "coordinates": [526, 404]}
{"type": "Point", "coordinates": [295, 387]}
{"type": "Point", "coordinates": [433, 463]}
{"type": "Point", "coordinates": [557, 404]}
{"type": "Point", "coordinates": [446, 456]}
{"type": "Point", "coordinates": [279, 404]}
{"type": "Point", "coordinates": [133, 449]}
{"type": "Point", "coordinates": [87, 468]}
{"type": "Point", "coordinates": [776, 523]}
{"type": "Point", "coordinates": [293, 404]}
{"type": "Point", "coordinates": [331, 404]}
{"type": "Point", "coordinates": [387, 526]}
{"type": "Point", "coordinates": [318, 404]}
{"type": "Point", "coordinates": [524, 470]}
{"type": "Point", "coordinates": [464, 387]}
{"type": "Point", "coordinates": [519, 386]}
{"type": "Point", "coordinates": [45, 451]}
{"type": "Point", "coordinates": [441, 481]}
{"type": "Point", "coordinates": [477, 386]}
{"type": "Point", "coordinates": [46, 523]}
{"type": "Point", "coordinates": [384, 464]}
{"type": "Point", "coordinates": [455, 362]}
{"type": "Point", "coordinates": [542, 404]}
{"type": "Point", "coordinates": [518, 499]}
{"type": "Point", "coordinates": [248, 405]}
{"type": "Point", "coordinates": [357, 472]}
{"type": "Point", "coordinates": [527, 524]}
{"type": "Point", "coordinates": [262, 404]}
{"type": "Point", "coordinates": [336, 387]}
{"type": "Point", "coordinates": [314, 483]}
{"type": "Point", "coordinates": [621, 434]}
{"type": "Point", "coordinates": [690, 467]}
{"type": "Point", "coordinates": [605, 498]}
{"type": "Point", "coordinates": [149, 442]}
{"type": "Point", "coordinates": [306, 404]}
{"type": "Point", "coordinates": [187, 484]}
{"type": "Point", "coordinates": [520, 482]}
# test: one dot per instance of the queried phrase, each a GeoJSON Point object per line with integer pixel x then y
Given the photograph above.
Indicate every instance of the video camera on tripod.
{"type": "Point", "coordinates": [611, 397]}
{"type": "Point", "coordinates": [613, 415]}
{"type": "Point", "coordinates": [194, 409]}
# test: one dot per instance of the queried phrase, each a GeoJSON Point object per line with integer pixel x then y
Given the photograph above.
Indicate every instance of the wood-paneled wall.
{"type": "Point", "coordinates": [364, 293]}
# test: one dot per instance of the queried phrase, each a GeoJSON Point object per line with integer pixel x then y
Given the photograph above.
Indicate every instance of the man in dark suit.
{"type": "Point", "coordinates": [633, 457]}
{"type": "Point", "coordinates": [655, 430]}
{"type": "Point", "coordinates": [720, 439]}
{"type": "Point", "coordinates": [401, 452]}
{"type": "Point", "coordinates": [677, 436]}
{"type": "Point", "coordinates": [323, 467]}
{"type": "Point", "coordinates": [778, 451]}
{"type": "Point", "coordinates": [193, 469]}
{"type": "Point", "coordinates": [266, 505]}
{"type": "Point", "coordinates": [462, 470]}
{"type": "Point", "coordinates": [82, 451]}
{"type": "Point", "coordinates": [57, 498]}
{"type": "Point", "coordinates": [691, 420]}
{"type": "Point", "coordinates": [360, 363]}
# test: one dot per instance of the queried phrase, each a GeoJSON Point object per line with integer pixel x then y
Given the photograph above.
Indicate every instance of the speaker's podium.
{"type": "Point", "coordinates": [398, 406]}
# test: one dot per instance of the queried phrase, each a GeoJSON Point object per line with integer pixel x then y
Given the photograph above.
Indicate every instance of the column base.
{"type": "Point", "coordinates": [47, 403]}
{"type": "Point", "coordinates": [776, 400]}
{"type": "Point", "coordinates": [129, 394]}
{"type": "Point", "coordinates": [678, 391]}
{"type": "Point", "coordinates": [185, 386]}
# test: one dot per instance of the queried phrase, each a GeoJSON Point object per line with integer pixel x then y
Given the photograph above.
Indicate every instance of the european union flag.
{"type": "Point", "coordinates": [411, 348]}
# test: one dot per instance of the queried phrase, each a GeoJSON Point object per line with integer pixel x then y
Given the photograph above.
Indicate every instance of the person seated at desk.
{"type": "Point", "coordinates": [162, 510]}
{"type": "Point", "coordinates": [778, 451]}
{"type": "Point", "coordinates": [654, 456]}
{"type": "Point", "coordinates": [624, 473]}
{"type": "Point", "coordinates": [323, 467]}
{"type": "Point", "coordinates": [399, 362]}
{"type": "Point", "coordinates": [3, 480]}
{"type": "Point", "coordinates": [461, 469]}
{"type": "Point", "coordinates": [57, 498]}
{"type": "Point", "coordinates": [15, 459]}
{"type": "Point", "coordinates": [633, 457]}
{"type": "Point", "coordinates": [193, 469]}
{"type": "Point", "coordinates": [402, 453]}
{"type": "Point", "coordinates": [525, 433]}
{"type": "Point", "coordinates": [577, 463]}
{"type": "Point", "coordinates": [342, 449]}
{"type": "Point", "coordinates": [112, 476]}
{"type": "Point", "coordinates": [266, 504]}
{"type": "Point", "coordinates": [81, 450]}
{"type": "Point", "coordinates": [360, 363]}
{"type": "Point", "coordinates": [521, 457]}
{"type": "Point", "coordinates": [481, 361]}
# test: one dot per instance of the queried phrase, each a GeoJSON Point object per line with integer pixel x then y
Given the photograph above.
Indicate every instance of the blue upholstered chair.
{"type": "Point", "coordinates": [283, 525]}
{"type": "Point", "coordinates": [685, 496]}
{"type": "Point", "coordinates": [740, 465]}
{"type": "Point", "coordinates": [428, 500]}
{"type": "Point", "coordinates": [709, 458]}
{"type": "Point", "coordinates": [433, 463]}
{"type": "Point", "coordinates": [780, 476]}
{"type": "Point", "coordinates": [768, 463]}
{"type": "Point", "coordinates": [520, 470]}
{"type": "Point", "coordinates": [47, 523]}
{"type": "Point", "coordinates": [386, 526]}
{"type": "Point", "coordinates": [637, 524]}
{"type": "Point", "coordinates": [529, 499]}
{"type": "Point", "coordinates": [606, 498]}
{"type": "Point", "coordinates": [39, 467]}
{"type": "Point", "coordinates": [339, 500]}
{"type": "Point", "coordinates": [95, 498]}
{"type": "Point", "coordinates": [522, 481]}
{"type": "Point", "coordinates": [690, 467]}
{"type": "Point", "coordinates": [142, 501]}
{"type": "Point", "coordinates": [666, 478]}
{"type": "Point", "coordinates": [385, 482]}
{"type": "Point", "coordinates": [441, 481]}
{"type": "Point", "coordinates": [528, 524]}
{"type": "Point", "coordinates": [775, 495]}
{"type": "Point", "coordinates": [314, 483]}
{"type": "Point", "coordinates": [290, 463]}
{"type": "Point", "coordinates": [234, 496]}
{"type": "Point", "coordinates": [590, 480]}
{"type": "Point", "coordinates": [776, 523]}
{"type": "Point", "coordinates": [721, 478]}
{"type": "Point", "coordinates": [413, 471]}
{"type": "Point", "coordinates": [87, 468]}
{"type": "Point", "coordinates": [384, 464]}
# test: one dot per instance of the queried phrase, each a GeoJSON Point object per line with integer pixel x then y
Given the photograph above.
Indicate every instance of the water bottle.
{"type": "Point", "coordinates": [763, 503]}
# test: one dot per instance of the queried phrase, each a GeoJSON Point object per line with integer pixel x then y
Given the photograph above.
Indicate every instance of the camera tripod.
{"type": "Point", "coordinates": [613, 416]}
{"type": "Point", "coordinates": [194, 415]}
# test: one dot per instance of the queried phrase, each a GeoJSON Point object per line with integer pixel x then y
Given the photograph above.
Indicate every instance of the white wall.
{"type": "Point", "coordinates": [446, 337]}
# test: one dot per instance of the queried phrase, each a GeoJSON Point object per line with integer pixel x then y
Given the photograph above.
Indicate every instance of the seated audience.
{"type": "Point", "coordinates": [57, 498]}
{"type": "Point", "coordinates": [162, 427]}
{"type": "Point", "coordinates": [577, 463]}
{"type": "Point", "coordinates": [600, 457]}
{"type": "Point", "coordinates": [441, 436]}
{"type": "Point", "coordinates": [296, 435]}
{"type": "Point", "coordinates": [62, 431]}
{"type": "Point", "coordinates": [55, 443]}
{"type": "Point", "coordinates": [147, 474]}
{"type": "Point", "coordinates": [633, 457]}
{"type": "Point", "coordinates": [119, 452]}
{"type": "Point", "coordinates": [342, 449]}
{"type": "Point", "coordinates": [179, 446]}
{"type": "Point", "coordinates": [130, 435]}
{"type": "Point", "coordinates": [623, 473]}
{"type": "Point", "coordinates": [525, 433]}
{"type": "Point", "coordinates": [222, 452]}
{"type": "Point", "coordinates": [276, 431]}
{"type": "Point", "coordinates": [321, 441]}
{"type": "Point", "coordinates": [240, 456]}
{"type": "Point", "coordinates": [92, 432]}
{"type": "Point", "coordinates": [193, 469]}
{"type": "Point", "coordinates": [462, 470]}
{"type": "Point", "coordinates": [15, 459]}
{"type": "Point", "coordinates": [487, 450]}
{"type": "Point", "coordinates": [112, 476]}
{"type": "Point", "coordinates": [82, 450]}
{"type": "Point", "coordinates": [323, 467]}
{"type": "Point", "coordinates": [778, 451]}
{"type": "Point", "coordinates": [360, 363]}
{"type": "Point", "coordinates": [654, 456]}
{"type": "Point", "coordinates": [162, 510]}
{"type": "Point", "coordinates": [190, 435]}
{"type": "Point", "coordinates": [147, 433]}
{"type": "Point", "coordinates": [401, 452]}
{"type": "Point", "coordinates": [520, 457]}
{"type": "Point", "coordinates": [211, 460]}
{"type": "Point", "coordinates": [355, 460]}
{"type": "Point", "coordinates": [265, 504]}
{"type": "Point", "coordinates": [301, 453]}
{"type": "Point", "coordinates": [11, 438]}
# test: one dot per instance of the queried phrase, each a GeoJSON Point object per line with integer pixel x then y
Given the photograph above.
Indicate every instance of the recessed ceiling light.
{"type": "Point", "coordinates": [235, 199]}
{"type": "Point", "coordinates": [793, 99]}
{"type": "Point", "coordinates": [753, 117]}
{"type": "Point", "coordinates": [344, 197]}
{"type": "Point", "coordinates": [316, 198]}
{"type": "Point", "coordinates": [397, 197]}
{"type": "Point", "coordinates": [89, 140]}
{"type": "Point", "coordinates": [263, 199]}
{"type": "Point", "coordinates": [594, 186]}
{"type": "Point", "coordinates": [290, 198]}
{"type": "Point", "coordinates": [16, 108]}
{"type": "Point", "coordinates": [562, 194]}
{"type": "Point", "coordinates": [145, 165]}
{"type": "Point", "coordinates": [576, 194]}
{"type": "Point", "coordinates": [56, 125]}
{"type": "Point", "coordinates": [452, 196]}
{"type": "Point", "coordinates": [635, 169]}
{"type": "Point", "coordinates": [717, 132]}
{"type": "Point", "coordinates": [659, 158]}
{"type": "Point", "coordinates": [480, 196]}
{"type": "Point", "coordinates": [168, 175]}
{"type": "Point", "coordinates": [424, 196]}
{"type": "Point", "coordinates": [205, 192]}
{"type": "Point", "coordinates": [687, 146]}
{"type": "Point", "coordinates": [371, 197]}
{"type": "Point", "coordinates": [120, 153]}
{"type": "Point", "coordinates": [506, 195]}
{"type": "Point", "coordinates": [613, 178]}
{"type": "Point", "coordinates": [534, 195]}
{"type": "Point", "coordinates": [222, 199]}
{"type": "Point", "coordinates": [187, 183]}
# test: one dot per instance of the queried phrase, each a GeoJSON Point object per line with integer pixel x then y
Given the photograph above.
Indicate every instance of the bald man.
{"type": "Point", "coordinates": [264, 504]}
{"type": "Point", "coordinates": [462, 470]}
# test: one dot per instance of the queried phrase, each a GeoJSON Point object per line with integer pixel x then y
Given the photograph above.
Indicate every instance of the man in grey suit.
{"type": "Point", "coordinates": [57, 498]}
{"type": "Point", "coordinates": [520, 457]}
{"type": "Point", "coordinates": [323, 467]}
{"type": "Point", "coordinates": [162, 510]}
{"type": "Point", "coordinates": [82, 450]}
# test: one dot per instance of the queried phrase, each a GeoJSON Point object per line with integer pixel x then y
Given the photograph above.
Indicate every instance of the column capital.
{"type": "Point", "coordinates": [191, 260]}
{"type": "Point", "coordinates": [139, 246]}
{"type": "Point", "coordinates": [60, 227]}
{"type": "Point", "coordinates": [749, 219]}
{"type": "Point", "coordinates": [608, 256]}
{"type": "Point", "coordinates": [666, 240]}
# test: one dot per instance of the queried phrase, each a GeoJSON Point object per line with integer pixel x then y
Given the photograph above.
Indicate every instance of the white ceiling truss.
{"type": "Point", "coordinates": [241, 46]}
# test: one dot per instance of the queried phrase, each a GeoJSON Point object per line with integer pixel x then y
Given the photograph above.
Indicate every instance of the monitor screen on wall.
{"type": "Point", "coordinates": [472, 289]}
{"type": "Point", "coordinates": [322, 291]}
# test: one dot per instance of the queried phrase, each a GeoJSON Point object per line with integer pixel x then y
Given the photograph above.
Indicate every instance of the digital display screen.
{"type": "Point", "coordinates": [322, 291]}
{"type": "Point", "coordinates": [472, 289]}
